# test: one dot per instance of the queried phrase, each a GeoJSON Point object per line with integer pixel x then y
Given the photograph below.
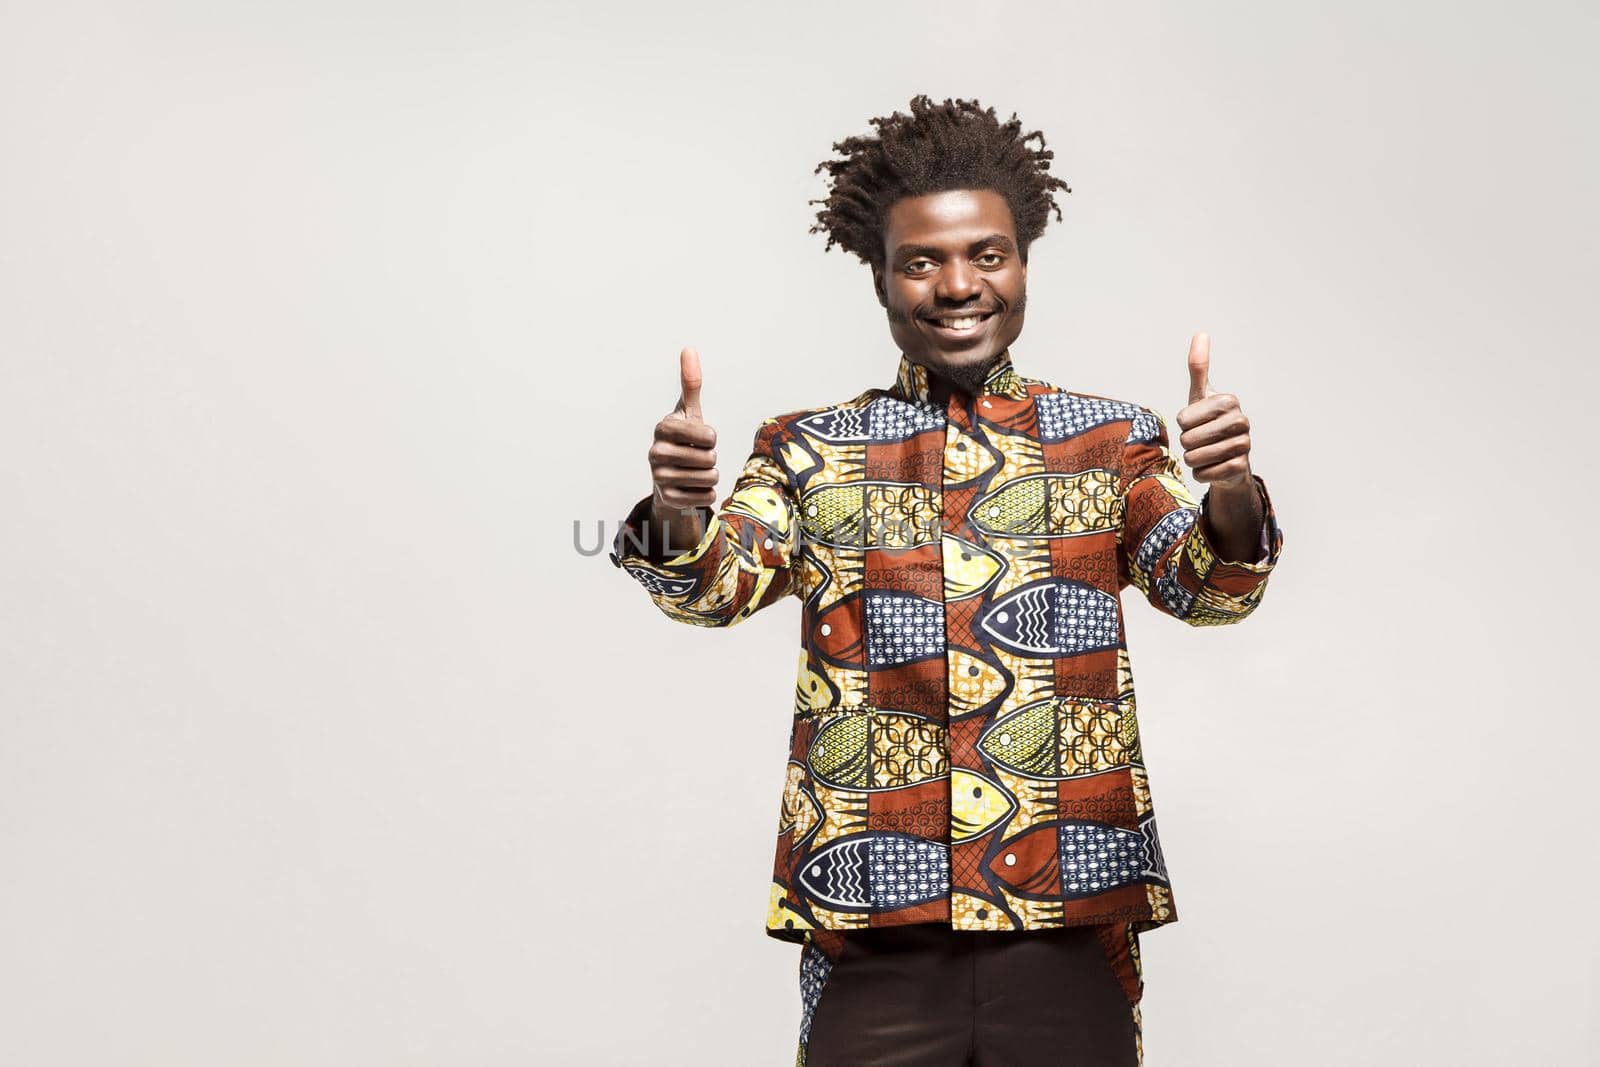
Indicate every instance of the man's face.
{"type": "Point", "coordinates": [952, 255]}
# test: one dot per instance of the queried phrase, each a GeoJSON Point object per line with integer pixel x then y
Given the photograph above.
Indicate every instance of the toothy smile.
{"type": "Point", "coordinates": [960, 323]}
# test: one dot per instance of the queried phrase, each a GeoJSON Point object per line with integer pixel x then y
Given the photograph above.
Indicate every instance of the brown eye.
{"type": "Point", "coordinates": [996, 256]}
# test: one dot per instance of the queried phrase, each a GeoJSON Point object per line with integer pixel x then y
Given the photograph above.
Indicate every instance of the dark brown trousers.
{"type": "Point", "coordinates": [927, 995]}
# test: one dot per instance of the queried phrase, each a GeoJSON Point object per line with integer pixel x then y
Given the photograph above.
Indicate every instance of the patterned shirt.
{"type": "Point", "coordinates": [964, 747]}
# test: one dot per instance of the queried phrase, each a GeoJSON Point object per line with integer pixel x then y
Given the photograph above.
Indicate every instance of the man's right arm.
{"type": "Point", "coordinates": [742, 561]}
{"type": "Point", "coordinates": [705, 566]}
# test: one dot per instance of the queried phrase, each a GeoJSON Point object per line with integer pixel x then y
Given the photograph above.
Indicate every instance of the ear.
{"type": "Point", "coordinates": [877, 287]}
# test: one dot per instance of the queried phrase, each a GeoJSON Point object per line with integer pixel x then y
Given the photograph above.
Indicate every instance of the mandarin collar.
{"type": "Point", "coordinates": [913, 382]}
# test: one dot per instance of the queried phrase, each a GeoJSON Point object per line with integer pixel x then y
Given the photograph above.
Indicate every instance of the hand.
{"type": "Point", "coordinates": [1216, 434]}
{"type": "Point", "coordinates": [683, 458]}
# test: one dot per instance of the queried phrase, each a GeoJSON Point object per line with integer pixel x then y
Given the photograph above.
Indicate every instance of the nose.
{"type": "Point", "coordinates": [958, 281]}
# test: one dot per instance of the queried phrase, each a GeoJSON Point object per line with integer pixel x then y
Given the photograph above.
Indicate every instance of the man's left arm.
{"type": "Point", "coordinates": [1206, 563]}
{"type": "Point", "coordinates": [1216, 442]}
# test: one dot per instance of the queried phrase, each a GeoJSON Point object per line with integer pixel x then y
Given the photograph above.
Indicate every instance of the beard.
{"type": "Point", "coordinates": [969, 379]}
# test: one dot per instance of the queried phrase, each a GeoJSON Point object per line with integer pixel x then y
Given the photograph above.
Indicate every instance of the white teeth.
{"type": "Point", "coordinates": [960, 324]}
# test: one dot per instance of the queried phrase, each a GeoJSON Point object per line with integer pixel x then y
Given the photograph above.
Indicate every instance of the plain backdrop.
{"type": "Point", "coordinates": [332, 332]}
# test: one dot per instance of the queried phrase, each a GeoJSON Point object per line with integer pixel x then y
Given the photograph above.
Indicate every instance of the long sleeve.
{"type": "Point", "coordinates": [1163, 549]}
{"type": "Point", "coordinates": [742, 562]}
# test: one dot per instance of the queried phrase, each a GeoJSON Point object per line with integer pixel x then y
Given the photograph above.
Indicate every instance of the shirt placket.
{"type": "Point", "coordinates": [966, 858]}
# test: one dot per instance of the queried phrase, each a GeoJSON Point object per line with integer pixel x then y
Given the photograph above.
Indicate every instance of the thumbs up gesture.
{"type": "Point", "coordinates": [1216, 434]}
{"type": "Point", "coordinates": [683, 459]}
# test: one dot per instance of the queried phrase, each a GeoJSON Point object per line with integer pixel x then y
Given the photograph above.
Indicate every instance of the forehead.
{"type": "Point", "coordinates": [955, 218]}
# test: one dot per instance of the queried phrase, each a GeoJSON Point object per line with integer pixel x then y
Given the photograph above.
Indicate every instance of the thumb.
{"type": "Point", "coordinates": [1199, 367]}
{"type": "Point", "coordinates": [689, 383]}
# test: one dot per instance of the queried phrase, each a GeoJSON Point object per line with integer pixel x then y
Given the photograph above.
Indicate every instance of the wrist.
{"type": "Point", "coordinates": [679, 529]}
{"type": "Point", "coordinates": [672, 516]}
{"type": "Point", "coordinates": [1239, 489]}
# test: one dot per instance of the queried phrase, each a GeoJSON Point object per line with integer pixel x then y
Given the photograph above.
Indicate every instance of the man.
{"type": "Point", "coordinates": [967, 848]}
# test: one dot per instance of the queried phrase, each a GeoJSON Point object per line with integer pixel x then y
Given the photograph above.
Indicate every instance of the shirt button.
{"type": "Point", "coordinates": [767, 543]}
{"type": "Point", "coordinates": [987, 404]}
{"type": "Point", "coordinates": [961, 446]}
{"type": "Point", "coordinates": [1011, 859]}
{"type": "Point", "coordinates": [825, 629]}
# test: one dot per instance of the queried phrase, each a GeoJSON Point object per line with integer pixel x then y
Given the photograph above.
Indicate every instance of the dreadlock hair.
{"type": "Point", "coordinates": [938, 147]}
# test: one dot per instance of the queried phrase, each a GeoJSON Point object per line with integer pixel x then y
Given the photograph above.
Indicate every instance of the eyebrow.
{"type": "Point", "coordinates": [999, 239]}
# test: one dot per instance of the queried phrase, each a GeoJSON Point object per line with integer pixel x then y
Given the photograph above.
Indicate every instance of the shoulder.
{"type": "Point", "coordinates": [873, 415]}
{"type": "Point", "coordinates": [799, 417]}
{"type": "Point", "coordinates": [1068, 412]}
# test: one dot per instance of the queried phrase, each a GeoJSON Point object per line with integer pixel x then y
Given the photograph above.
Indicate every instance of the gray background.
{"type": "Point", "coordinates": [323, 322]}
